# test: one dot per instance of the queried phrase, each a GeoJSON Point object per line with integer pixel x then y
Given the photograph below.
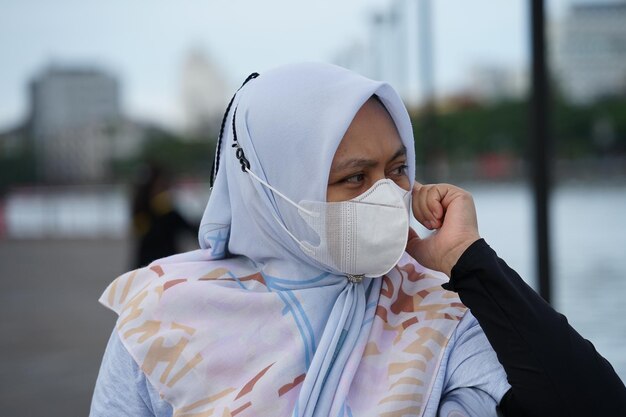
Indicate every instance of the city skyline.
{"type": "Point", "coordinates": [145, 44]}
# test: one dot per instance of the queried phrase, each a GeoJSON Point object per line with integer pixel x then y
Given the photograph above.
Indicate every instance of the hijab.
{"type": "Point", "coordinates": [250, 324]}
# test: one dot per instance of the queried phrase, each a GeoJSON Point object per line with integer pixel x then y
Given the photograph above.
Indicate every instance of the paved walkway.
{"type": "Point", "coordinates": [53, 329]}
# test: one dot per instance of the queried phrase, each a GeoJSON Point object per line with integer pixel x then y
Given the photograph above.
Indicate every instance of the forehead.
{"type": "Point", "coordinates": [372, 134]}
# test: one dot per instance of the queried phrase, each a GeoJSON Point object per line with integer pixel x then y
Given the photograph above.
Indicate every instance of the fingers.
{"type": "Point", "coordinates": [451, 211]}
{"type": "Point", "coordinates": [434, 198]}
{"type": "Point", "coordinates": [427, 207]}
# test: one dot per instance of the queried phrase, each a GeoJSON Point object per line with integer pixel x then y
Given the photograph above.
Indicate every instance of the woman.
{"type": "Point", "coordinates": [302, 300]}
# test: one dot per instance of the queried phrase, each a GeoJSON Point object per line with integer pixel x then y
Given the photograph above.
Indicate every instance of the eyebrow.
{"type": "Point", "coordinates": [366, 163]}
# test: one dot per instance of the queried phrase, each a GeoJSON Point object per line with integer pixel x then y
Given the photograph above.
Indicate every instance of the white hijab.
{"type": "Point", "coordinates": [289, 123]}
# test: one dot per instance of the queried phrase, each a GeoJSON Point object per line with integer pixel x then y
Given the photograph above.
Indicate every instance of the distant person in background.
{"type": "Point", "coordinates": [156, 224]}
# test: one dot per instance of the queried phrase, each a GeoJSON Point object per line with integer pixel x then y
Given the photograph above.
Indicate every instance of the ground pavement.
{"type": "Point", "coordinates": [53, 330]}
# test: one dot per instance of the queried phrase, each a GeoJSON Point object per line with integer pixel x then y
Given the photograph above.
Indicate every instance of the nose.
{"type": "Point", "coordinates": [378, 175]}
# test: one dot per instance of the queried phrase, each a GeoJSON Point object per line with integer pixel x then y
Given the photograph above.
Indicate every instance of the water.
{"type": "Point", "coordinates": [66, 212]}
{"type": "Point", "coordinates": [588, 248]}
{"type": "Point", "coordinates": [83, 212]}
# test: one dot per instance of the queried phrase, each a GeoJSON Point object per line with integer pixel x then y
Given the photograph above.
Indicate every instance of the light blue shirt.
{"type": "Point", "coordinates": [470, 382]}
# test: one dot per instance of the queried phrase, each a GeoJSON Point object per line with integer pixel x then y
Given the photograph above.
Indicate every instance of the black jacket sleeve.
{"type": "Point", "coordinates": [553, 370]}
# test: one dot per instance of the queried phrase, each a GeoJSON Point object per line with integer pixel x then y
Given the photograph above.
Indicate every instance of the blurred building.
{"type": "Point", "coordinates": [76, 124]}
{"type": "Point", "coordinates": [388, 45]}
{"type": "Point", "coordinates": [589, 48]}
{"type": "Point", "coordinates": [204, 94]}
{"type": "Point", "coordinates": [64, 98]}
{"type": "Point", "coordinates": [70, 111]}
{"type": "Point", "coordinates": [490, 83]}
{"type": "Point", "coordinates": [390, 52]}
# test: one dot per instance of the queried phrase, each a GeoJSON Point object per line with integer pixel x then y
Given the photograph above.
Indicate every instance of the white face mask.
{"type": "Point", "coordinates": [365, 236]}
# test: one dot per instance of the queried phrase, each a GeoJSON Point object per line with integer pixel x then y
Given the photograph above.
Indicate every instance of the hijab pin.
{"type": "Point", "coordinates": [355, 279]}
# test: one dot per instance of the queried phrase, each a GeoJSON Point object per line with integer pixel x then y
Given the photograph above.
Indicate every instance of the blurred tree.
{"type": "Point", "coordinates": [473, 130]}
{"type": "Point", "coordinates": [470, 131]}
{"type": "Point", "coordinates": [17, 163]}
{"type": "Point", "coordinates": [590, 130]}
{"type": "Point", "coordinates": [180, 155]}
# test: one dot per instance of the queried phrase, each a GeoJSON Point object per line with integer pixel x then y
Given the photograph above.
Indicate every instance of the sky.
{"type": "Point", "coordinates": [144, 42]}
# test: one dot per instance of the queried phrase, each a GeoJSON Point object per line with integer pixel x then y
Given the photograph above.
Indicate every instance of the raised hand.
{"type": "Point", "coordinates": [450, 211]}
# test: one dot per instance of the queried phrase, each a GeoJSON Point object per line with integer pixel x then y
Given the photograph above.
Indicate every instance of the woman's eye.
{"type": "Point", "coordinates": [355, 179]}
{"type": "Point", "coordinates": [401, 170]}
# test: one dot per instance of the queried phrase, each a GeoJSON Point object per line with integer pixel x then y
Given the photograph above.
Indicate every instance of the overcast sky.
{"type": "Point", "coordinates": [144, 42]}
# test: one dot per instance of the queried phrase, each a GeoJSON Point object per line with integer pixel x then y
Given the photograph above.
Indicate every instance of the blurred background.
{"type": "Point", "coordinates": [109, 113]}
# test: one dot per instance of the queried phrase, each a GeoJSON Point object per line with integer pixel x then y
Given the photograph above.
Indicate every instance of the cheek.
{"type": "Point", "coordinates": [334, 194]}
{"type": "Point", "coordinates": [343, 192]}
{"type": "Point", "coordinates": [403, 182]}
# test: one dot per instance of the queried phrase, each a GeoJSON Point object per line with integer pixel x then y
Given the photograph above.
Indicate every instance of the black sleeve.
{"type": "Point", "coordinates": [553, 370]}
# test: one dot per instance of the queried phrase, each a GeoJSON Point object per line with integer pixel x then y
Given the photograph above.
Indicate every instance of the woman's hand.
{"type": "Point", "coordinates": [450, 211]}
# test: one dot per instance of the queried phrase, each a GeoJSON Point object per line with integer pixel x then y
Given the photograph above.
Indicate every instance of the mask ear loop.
{"type": "Point", "coordinates": [302, 245]}
{"type": "Point", "coordinates": [284, 197]}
